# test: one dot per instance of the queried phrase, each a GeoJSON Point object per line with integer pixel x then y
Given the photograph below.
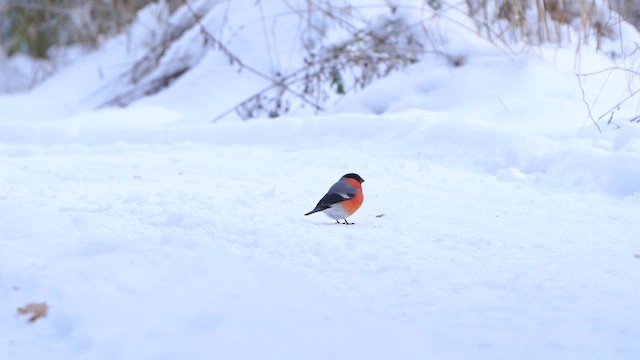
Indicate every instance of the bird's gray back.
{"type": "Point", "coordinates": [342, 187]}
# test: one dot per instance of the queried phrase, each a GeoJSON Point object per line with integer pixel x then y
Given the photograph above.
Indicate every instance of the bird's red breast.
{"type": "Point", "coordinates": [350, 206]}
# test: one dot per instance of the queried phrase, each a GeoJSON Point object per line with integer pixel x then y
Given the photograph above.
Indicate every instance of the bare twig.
{"type": "Point", "coordinates": [612, 109]}
{"type": "Point", "coordinates": [584, 100]}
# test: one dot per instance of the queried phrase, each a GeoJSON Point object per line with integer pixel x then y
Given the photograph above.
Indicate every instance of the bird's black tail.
{"type": "Point", "coordinates": [318, 208]}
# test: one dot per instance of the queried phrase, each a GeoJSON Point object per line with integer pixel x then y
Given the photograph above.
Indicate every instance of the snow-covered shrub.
{"type": "Point", "coordinates": [368, 52]}
{"type": "Point", "coordinates": [34, 27]}
{"type": "Point", "coordinates": [535, 22]}
{"type": "Point", "coordinates": [162, 54]}
{"type": "Point", "coordinates": [336, 48]}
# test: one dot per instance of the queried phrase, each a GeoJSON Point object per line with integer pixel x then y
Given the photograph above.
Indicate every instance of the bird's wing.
{"type": "Point", "coordinates": [332, 198]}
{"type": "Point", "coordinates": [338, 193]}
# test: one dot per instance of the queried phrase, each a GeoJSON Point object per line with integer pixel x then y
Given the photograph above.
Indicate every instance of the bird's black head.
{"type": "Point", "coordinates": [355, 177]}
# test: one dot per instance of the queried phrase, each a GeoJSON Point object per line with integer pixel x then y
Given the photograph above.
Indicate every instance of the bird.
{"type": "Point", "coordinates": [342, 200]}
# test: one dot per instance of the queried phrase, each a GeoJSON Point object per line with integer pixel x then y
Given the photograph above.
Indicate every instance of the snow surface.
{"type": "Point", "coordinates": [498, 222]}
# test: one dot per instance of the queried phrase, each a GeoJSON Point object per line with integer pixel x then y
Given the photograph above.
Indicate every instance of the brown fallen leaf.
{"type": "Point", "coordinates": [36, 310]}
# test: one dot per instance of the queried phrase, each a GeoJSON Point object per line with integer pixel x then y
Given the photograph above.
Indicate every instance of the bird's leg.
{"type": "Point", "coordinates": [346, 222]}
{"type": "Point", "coordinates": [338, 221]}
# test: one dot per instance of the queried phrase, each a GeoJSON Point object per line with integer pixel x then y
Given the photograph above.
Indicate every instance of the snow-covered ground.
{"type": "Point", "coordinates": [498, 223]}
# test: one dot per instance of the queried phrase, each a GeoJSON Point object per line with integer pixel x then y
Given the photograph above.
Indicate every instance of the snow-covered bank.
{"type": "Point", "coordinates": [605, 162]}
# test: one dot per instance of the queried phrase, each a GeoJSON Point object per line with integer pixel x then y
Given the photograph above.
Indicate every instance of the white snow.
{"type": "Point", "coordinates": [498, 223]}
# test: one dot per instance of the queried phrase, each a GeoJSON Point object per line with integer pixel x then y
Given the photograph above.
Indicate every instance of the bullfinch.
{"type": "Point", "coordinates": [342, 199]}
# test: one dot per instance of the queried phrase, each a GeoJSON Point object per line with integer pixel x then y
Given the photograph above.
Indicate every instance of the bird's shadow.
{"type": "Point", "coordinates": [334, 224]}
